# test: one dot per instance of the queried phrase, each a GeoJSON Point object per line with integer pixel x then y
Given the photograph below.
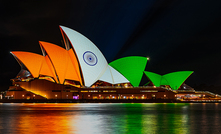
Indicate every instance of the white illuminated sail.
{"type": "Point", "coordinates": [113, 76]}
{"type": "Point", "coordinates": [92, 62]}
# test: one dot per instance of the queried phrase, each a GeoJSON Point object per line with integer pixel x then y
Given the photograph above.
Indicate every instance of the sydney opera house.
{"type": "Point", "coordinates": [80, 71]}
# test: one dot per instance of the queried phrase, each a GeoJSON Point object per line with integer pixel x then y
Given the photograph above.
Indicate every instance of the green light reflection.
{"type": "Point", "coordinates": [157, 118]}
{"type": "Point", "coordinates": [137, 118]}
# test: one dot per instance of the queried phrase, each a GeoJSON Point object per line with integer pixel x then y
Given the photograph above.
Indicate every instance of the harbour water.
{"type": "Point", "coordinates": [107, 118]}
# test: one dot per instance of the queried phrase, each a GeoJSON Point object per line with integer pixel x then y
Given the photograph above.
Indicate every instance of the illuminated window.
{"type": "Point", "coordinates": [109, 90]}
{"type": "Point", "coordinates": [148, 91]}
{"type": "Point", "coordinates": [76, 97]}
{"type": "Point", "coordinates": [101, 97]}
{"type": "Point", "coordinates": [93, 91]}
{"type": "Point", "coordinates": [84, 90]}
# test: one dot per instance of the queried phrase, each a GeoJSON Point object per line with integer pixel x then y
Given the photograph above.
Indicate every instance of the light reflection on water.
{"type": "Point", "coordinates": [110, 118]}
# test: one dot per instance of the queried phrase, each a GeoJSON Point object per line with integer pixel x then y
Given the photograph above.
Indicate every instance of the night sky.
{"type": "Point", "coordinates": [176, 35]}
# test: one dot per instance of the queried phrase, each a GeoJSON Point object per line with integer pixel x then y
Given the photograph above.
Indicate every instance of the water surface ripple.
{"type": "Point", "coordinates": [107, 118]}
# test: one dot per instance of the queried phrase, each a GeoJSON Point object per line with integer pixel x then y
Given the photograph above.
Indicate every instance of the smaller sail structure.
{"type": "Point", "coordinates": [131, 67]}
{"type": "Point", "coordinates": [31, 61]}
{"type": "Point", "coordinates": [113, 76]}
{"type": "Point", "coordinates": [61, 62]}
{"type": "Point", "coordinates": [174, 79]}
{"type": "Point", "coordinates": [155, 78]}
{"type": "Point", "coordinates": [35, 63]}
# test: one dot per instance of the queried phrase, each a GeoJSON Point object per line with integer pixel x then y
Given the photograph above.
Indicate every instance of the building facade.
{"type": "Point", "coordinates": [80, 71]}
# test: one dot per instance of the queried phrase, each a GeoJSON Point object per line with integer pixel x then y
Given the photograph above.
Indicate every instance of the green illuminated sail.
{"type": "Point", "coordinates": [155, 78]}
{"type": "Point", "coordinates": [131, 67]}
{"type": "Point", "coordinates": [174, 79]}
{"type": "Point", "coordinates": [164, 81]}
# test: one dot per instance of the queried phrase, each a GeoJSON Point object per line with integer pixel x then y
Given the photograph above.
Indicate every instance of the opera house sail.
{"type": "Point", "coordinates": [80, 71]}
{"type": "Point", "coordinates": [92, 62]}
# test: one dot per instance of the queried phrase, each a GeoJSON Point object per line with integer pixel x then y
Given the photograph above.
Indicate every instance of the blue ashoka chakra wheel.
{"type": "Point", "coordinates": [90, 58]}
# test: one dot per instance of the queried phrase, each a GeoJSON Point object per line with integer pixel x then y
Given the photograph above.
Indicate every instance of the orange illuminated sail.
{"type": "Point", "coordinates": [31, 61]}
{"type": "Point", "coordinates": [51, 67]}
{"type": "Point", "coordinates": [75, 64]}
{"type": "Point", "coordinates": [47, 69]}
{"type": "Point", "coordinates": [61, 62]}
